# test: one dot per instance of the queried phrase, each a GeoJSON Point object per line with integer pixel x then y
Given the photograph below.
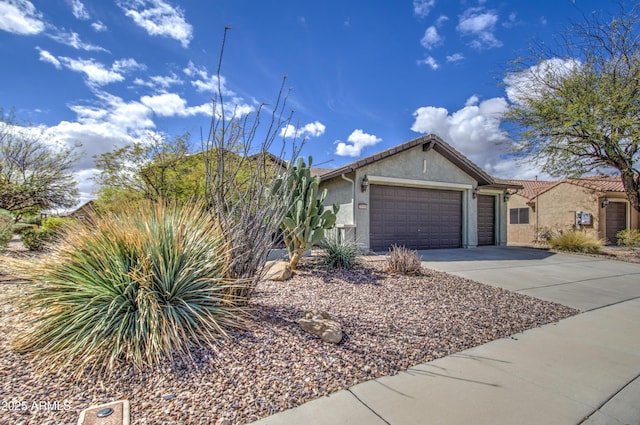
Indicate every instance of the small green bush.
{"type": "Point", "coordinates": [404, 261]}
{"type": "Point", "coordinates": [37, 220]}
{"type": "Point", "coordinates": [576, 241]}
{"type": "Point", "coordinates": [135, 287]}
{"type": "Point", "coordinates": [20, 228]}
{"type": "Point", "coordinates": [339, 254]}
{"type": "Point", "coordinates": [37, 239]}
{"type": "Point", "coordinates": [629, 237]}
{"type": "Point", "coordinates": [55, 223]}
{"type": "Point", "coordinates": [6, 230]}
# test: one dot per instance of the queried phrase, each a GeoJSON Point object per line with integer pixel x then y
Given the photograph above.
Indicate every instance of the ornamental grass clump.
{"type": "Point", "coordinates": [576, 241]}
{"type": "Point", "coordinates": [135, 287]}
{"type": "Point", "coordinates": [339, 254]}
{"type": "Point", "coordinates": [404, 261]}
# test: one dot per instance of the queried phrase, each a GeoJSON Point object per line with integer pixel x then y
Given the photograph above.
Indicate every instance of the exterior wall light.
{"type": "Point", "coordinates": [506, 196]}
{"type": "Point", "coordinates": [364, 184]}
{"type": "Point", "coordinates": [605, 202]}
{"type": "Point", "coordinates": [475, 192]}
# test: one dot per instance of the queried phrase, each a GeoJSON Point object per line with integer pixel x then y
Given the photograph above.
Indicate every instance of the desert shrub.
{"type": "Point", "coordinates": [53, 228]}
{"type": "Point", "coordinates": [339, 254]}
{"type": "Point", "coordinates": [136, 287]}
{"type": "Point", "coordinates": [404, 261]}
{"type": "Point", "coordinates": [544, 235]}
{"type": "Point", "coordinates": [37, 239]}
{"type": "Point", "coordinates": [6, 230]}
{"type": "Point", "coordinates": [629, 237]}
{"type": "Point", "coordinates": [56, 223]}
{"type": "Point", "coordinates": [576, 241]}
{"type": "Point", "coordinates": [37, 220]}
{"type": "Point", "coordinates": [20, 228]}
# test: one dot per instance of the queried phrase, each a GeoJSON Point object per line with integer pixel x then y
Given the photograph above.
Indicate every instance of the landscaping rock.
{"type": "Point", "coordinates": [319, 324]}
{"type": "Point", "coordinates": [278, 271]}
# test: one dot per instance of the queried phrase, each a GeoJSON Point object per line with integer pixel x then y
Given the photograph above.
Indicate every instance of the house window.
{"type": "Point", "coordinates": [519, 216]}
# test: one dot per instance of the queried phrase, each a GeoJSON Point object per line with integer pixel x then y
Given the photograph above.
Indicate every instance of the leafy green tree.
{"type": "Point", "coordinates": [35, 171]}
{"type": "Point", "coordinates": [154, 168]}
{"type": "Point", "coordinates": [577, 108]}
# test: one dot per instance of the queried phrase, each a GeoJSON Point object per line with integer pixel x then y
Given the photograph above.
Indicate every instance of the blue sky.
{"type": "Point", "coordinates": [365, 75]}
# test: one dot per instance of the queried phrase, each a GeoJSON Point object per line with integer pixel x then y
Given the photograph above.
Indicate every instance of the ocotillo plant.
{"type": "Point", "coordinates": [307, 219]}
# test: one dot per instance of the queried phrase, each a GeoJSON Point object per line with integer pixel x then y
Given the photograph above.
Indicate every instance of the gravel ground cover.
{"type": "Point", "coordinates": [390, 323]}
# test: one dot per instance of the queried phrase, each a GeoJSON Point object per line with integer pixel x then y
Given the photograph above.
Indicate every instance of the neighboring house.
{"type": "Point", "coordinates": [597, 205]}
{"type": "Point", "coordinates": [421, 194]}
{"type": "Point", "coordinates": [84, 211]}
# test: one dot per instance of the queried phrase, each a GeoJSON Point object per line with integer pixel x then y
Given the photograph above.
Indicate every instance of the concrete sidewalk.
{"type": "Point", "coordinates": [581, 370]}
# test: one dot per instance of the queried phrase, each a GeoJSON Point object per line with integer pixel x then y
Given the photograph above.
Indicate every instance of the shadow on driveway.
{"type": "Point", "coordinates": [485, 253]}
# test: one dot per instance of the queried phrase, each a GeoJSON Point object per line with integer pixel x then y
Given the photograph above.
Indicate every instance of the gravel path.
{"type": "Point", "coordinates": [390, 323]}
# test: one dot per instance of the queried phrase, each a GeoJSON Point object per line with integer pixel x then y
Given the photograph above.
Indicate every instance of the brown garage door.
{"type": "Point", "coordinates": [413, 217]}
{"type": "Point", "coordinates": [616, 220]}
{"type": "Point", "coordinates": [486, 220]}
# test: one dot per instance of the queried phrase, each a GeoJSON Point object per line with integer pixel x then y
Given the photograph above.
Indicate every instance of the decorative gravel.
{"type": "Point", "coordinates": [390, 323]}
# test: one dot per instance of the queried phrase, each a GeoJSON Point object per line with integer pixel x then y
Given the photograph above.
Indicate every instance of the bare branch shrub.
{"type": "Point", "coordinates": [404, 261]}
{"type": "Point", "coordinates": [243, 194]}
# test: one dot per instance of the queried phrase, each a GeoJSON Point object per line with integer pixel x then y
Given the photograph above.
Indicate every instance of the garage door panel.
{"type": "Point", "coordinates": [616, 220]}
{"type": "Point", "coordinates": [486, 219]}
{"type": "Point", "coordinates": [414, 217]}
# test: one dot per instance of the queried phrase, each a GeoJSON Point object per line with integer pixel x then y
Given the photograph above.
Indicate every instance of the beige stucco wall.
{"type": "Point", "coordinates": [556, 211]}
{"type": "Point", "coordinates": [409, 168]}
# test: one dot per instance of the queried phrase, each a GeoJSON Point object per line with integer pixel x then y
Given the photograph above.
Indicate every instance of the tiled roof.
{"type": "Point", "coordinates": [533, 188]}
{"type": "Point", "coordinates": [600, 183]}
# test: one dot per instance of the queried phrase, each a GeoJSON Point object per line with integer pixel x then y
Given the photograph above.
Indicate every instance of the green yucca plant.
{"type": "Point", "coordinates": [135, 286]}
{"type": "Point", "coordinates": [339, 254]}
{"type": "Point", "coordinates": [576, 241]}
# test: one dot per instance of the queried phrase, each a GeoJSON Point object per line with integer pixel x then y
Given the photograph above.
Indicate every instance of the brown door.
{"type": "Point", "coordinates": [414, 217]}
{"type": "Point", "coordinates": [486, 220]}
{"type": "Point", "coordinates": [616, 220]}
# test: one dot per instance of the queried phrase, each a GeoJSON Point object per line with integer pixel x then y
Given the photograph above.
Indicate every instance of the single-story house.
{"type": "Point", "coordinates": [597, 205]}
{"type": "Point", "coordinates": [421, 194]}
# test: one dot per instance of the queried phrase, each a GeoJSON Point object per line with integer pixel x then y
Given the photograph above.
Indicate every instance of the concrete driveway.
{"type": "Point", "coordinates": [577, 281]}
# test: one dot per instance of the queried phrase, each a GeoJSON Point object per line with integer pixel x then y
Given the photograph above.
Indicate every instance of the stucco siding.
{"type": "Point", "coordinates": [555, 210]}
{"type": "Point", "coordinates": [413, 167]}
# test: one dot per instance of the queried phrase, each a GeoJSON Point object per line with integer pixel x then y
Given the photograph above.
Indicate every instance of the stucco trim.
{"type": "Point", "coordinates": [394, 181]}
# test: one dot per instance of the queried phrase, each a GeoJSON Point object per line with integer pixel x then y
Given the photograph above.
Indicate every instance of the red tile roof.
{"type": "Point", "coordinates": [600, 183]}
{"type": "Point", "coordinates": [533, 188]}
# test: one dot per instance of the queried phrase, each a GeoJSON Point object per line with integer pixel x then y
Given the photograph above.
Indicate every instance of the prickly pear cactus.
{"type": "Point", "coordinates": [307, 219]}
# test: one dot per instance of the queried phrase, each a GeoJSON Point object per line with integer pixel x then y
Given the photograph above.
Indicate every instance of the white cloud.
{"type": "Point", "coordinates": [312, 129]}
{"type": "Point", "coordinates": [356, 141]}
{"type": "Point", "coordinates": [455, 57]}
{"type": "Point", "coordinates": [95, 72]}
{"type": "Point", "coordinates": [171, 104]}
{"type": "Point", "coordinates": [46, 56]}
{"type": "Point", "coordinates": [127, 65]}
{"type": "Point", "coordinates": [20, 17]}
{"type": "Point", "coordinates": [165, 105]}
{"type": "Point", "coordinates": [474, 130]}
{"type": "Point", "coordinates": [159, 82]}
{"type": "Point", "coordinates": [430, 61]}
{"type": "Point", "coordinates": [98, 26]}
{"type": "Point", "coordinates": [78, 9]}
{"type": "Point", "coordinates": [159, 18]}
{"type": "Point", "coordinates": [73, 39]}
{"type": "Point", "coordinates": [431, 38]}
{"type": "Point", "coordinates": [481, 26]}
{"type": "Point", "coordinates": [422, 8]}
{"type": "Point", "coordinates": [203, 82]}
{"type": "Point", "coordinates": [530, 82]}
